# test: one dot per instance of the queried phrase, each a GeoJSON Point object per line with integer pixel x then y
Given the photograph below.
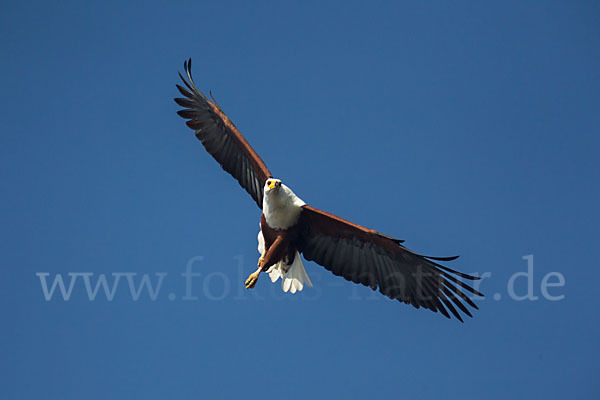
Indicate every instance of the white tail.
{"type": "Point", "coordinates": [293, 277]}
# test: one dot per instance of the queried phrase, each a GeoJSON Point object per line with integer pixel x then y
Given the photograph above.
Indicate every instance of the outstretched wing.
{"type": "Point", "coordinates": [362, 255]}
{"type": "Point", "coordinates": [221, 138]}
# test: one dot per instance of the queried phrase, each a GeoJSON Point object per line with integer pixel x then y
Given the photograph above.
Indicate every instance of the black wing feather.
{"type": "Point", "coordinates": [221, 138]}
{"type": "Point", "coordinates": [375, 260]}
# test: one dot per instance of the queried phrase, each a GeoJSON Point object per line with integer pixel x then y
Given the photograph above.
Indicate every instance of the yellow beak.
{"type": "Point", "coordinates": [273, 184]}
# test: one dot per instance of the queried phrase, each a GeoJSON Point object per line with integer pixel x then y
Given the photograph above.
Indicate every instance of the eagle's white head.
{"type": "Point", "coordinates": [272, 184]}
{"type": "Point", "coordinates": [280, 205]}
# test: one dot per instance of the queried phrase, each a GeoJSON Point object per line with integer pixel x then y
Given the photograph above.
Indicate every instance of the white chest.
{"type": "Point", "coordinates": [282, 209]}
{"type": "Point", "coordinates": [282, 217]}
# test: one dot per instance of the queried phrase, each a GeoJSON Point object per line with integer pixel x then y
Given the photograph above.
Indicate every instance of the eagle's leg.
{"type": "Point", "coordinates": [268, 258]}
{"type": "Point", "coordinates": [261, 259]}
{"type": "Point", "coordinates": [253, 278]}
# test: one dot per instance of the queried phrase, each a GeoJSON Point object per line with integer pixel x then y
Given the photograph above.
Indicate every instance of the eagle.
{"type": "Point", "coordinates": [290, 228]}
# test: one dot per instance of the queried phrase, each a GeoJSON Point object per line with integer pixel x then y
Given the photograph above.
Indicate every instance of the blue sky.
{"type": "Point", "coordinates": [467, 128]}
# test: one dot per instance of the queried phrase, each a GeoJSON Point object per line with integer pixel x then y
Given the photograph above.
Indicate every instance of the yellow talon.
{"type": "Point", "coordinates": [252, 279]}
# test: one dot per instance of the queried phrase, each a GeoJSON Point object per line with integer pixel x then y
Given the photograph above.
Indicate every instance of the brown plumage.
{"type": "Point", "coordinates": [281, 244]}
{"type": "Point", "coordinates": [222, 139]}
{"type": "Point", "coordinates": [358, 254]}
